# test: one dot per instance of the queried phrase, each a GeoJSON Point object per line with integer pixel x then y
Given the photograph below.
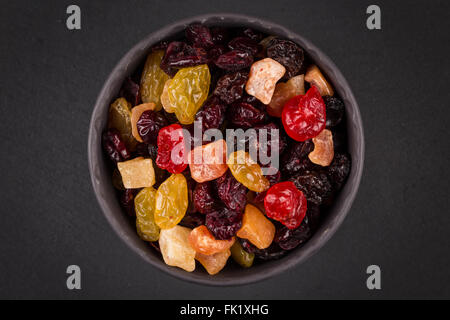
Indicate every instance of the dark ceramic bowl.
{"type": "Point", "coordinates": [231, 275]}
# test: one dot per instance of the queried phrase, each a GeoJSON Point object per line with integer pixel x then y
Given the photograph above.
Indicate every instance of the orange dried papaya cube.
{"type": "Point", "coordinates": [136, 114]}
{"type": "Point", "coordinates": [204, 242]}
{"type": "Point", "coordinates": [137, 173]}
{"type": "Point", "coordinates": [213, 263]}
{"type": "Point", "coordinates": [256, 228]}
{"type": "Point", "coordinates": [208, 162]}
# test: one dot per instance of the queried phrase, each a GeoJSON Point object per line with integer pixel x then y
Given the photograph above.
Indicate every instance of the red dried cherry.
{"type": "Point", "coordinates": [304, 117]}
{"type": "Point", "coordinates": [172, 153]}
{"type": "Point", "coordinates": [286, 204]}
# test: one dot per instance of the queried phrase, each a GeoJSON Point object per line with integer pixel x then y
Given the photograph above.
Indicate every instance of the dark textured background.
{"type": "Point", "coordinates": [49, 81]}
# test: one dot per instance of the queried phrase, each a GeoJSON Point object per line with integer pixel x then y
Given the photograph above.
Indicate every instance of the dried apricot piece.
{"type": "Point", "coordinates": [176, 249]}
{"type": "Point", "coordinates": [204, 242]}
{"type": "Point", "coordinates": [264, 74]}
{"type": "Point", "coordinates": [283, 93]}
{"type": "Point", "coordinates": [136, 113]}
{"type": "Point", "coordinates": [213, 264]}
{"type": "Point", "coordinates": [247, 171]}
{"type": "Point", "coordinates": [323, 152]}
{"type": "Point", "coordinates": [208, 162]}
{"type": "Point", "coordinates": [171, 201]}
{"type": "Point", "coordinates": [137, 173]}
{"type": "Point", "coordinates": [256, 228]}
{"type": "Point", "coordinates": [144, 205]}
{"type": "Point", "coordinates": [120, 118]}
{"type": "Point", "coordinates": [315, 78]}
{"type": "Point", "coordinates": [153, 79]}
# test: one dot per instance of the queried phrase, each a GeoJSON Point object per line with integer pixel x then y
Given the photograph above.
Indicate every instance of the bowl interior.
{"type": "Point", "coordinates": [232, 274]}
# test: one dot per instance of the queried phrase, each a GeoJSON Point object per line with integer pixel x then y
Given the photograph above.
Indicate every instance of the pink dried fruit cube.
{"type": "Point", "coordinates": [264, 74]}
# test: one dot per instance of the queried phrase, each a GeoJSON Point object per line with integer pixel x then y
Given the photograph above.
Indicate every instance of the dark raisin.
{"type": "Point", "coordinates": [127, 201]}
{"type": "Point", "coordinates": [149, 125]}
{"type": "Point", "coordinates": [252, 34]}
{"type": "Point", "coordinates": [269, 135]}
{"type": "Point", "coordinates": [180, 55]}
{"type": "Point", "coordinates": [273, 252]}
{"type": "Point", "coordinates": [289, 239]}
{"type": "Point", "coordinates": [339, 170]}
{"type": "Point", "coordinates": [315, 185]}
{"type": "Point", "coordinates": [193, 220]}
{"type": "Point", "coordinates": [245, 115]}
{"type": "Point", "coordinates": [114, 146]}
{"type": "Point", "coordinates": [313, 217]}
{"type": "Point", "coordinates": [234, 60]}
{"type": "Point", "coordinates": [295, 159]}
{"type": "Point", "coordinates": [231, 192]}
{"type": "Point", "coordinates": [212, 114]}
{"type": "Point", "coordinates": [224, 223]}
{"type": "Point", "coordinates": [215, 52]}
{"type": "Point", "coordinates": [335, 110]}
{"type": "Point", "coordinates": [244, 44]}
{"type": "Point", "coordinates": [204, 198]}
{"type": "Point", "coordinates": [220, 35]}
{"type": "Point", "coordinates": [130, 91]}
{"type": "Point", "coordinates": [230, 87]}
{"type": "Point", "coordinates": [289, 54]}
{"type": "Point", "coordinates": [199, 35]}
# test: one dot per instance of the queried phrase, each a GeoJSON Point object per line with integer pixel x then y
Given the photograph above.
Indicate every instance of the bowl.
{"type": "Point", "coordinates": [231, 275]}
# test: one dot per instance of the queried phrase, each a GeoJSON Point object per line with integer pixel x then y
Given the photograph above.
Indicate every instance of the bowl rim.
{"type": "Point", "coordinates": [296, 257]}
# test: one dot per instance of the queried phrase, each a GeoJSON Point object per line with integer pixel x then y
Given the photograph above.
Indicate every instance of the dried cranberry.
{"type": "Point", "coordinates": [220, 35]}
{"type": "Point", "coordinates": [181, 55]}
{"type": "Point", "coordinates": [295, 159]}
{"type": "Point", "coordinates": [339, 170]}
{"type": "Point", "coordinates": [199, 35]}
{"type": "Point", "coordinates": [304, 116]}
{"type": "Point", "coordinates": [212, 114]}
{"type": "Point", "coordinates": [130, 91]}
{"type": "Point", "coordinates": [172, 153]}
{"type": "Point", "coordinates": [244, 44]}
{"type": "Point", "coordinates": [149, 125]}
{"type": "Point", "coordinates": [244, 115]}
{"type": "Point", "coordinates": [224, 223]}
{"type": "Point", "coordinates": [289, 54]}
{"type": "Point", "coordinates": [192, 220]}
{"type": "Point", "coordinates": [204, 198]}
{"type": "Point", "coordinates": [127, 201]}
{"type": "Point", "coordinates": [315, 185]}
{"type": "Point", "coordinates": [335, 110]}
{"type": "Point", "coordinates": [114, 146]}
{"type": "Point", "coordinates": [234, 60]}
{"type": "Point", "coordinates": [285, 203]}
{"type": "Point", "coordinates": [230, 87]}
{"type": "Point", "coordinates": [231, 192]}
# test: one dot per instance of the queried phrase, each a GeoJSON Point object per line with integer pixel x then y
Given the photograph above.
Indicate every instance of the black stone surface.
{"type": "Point", "coordinates": [50, 78]}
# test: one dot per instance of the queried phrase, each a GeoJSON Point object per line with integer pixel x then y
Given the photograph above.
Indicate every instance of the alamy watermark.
{"type": "Point", "coordinates": [261, 144]}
